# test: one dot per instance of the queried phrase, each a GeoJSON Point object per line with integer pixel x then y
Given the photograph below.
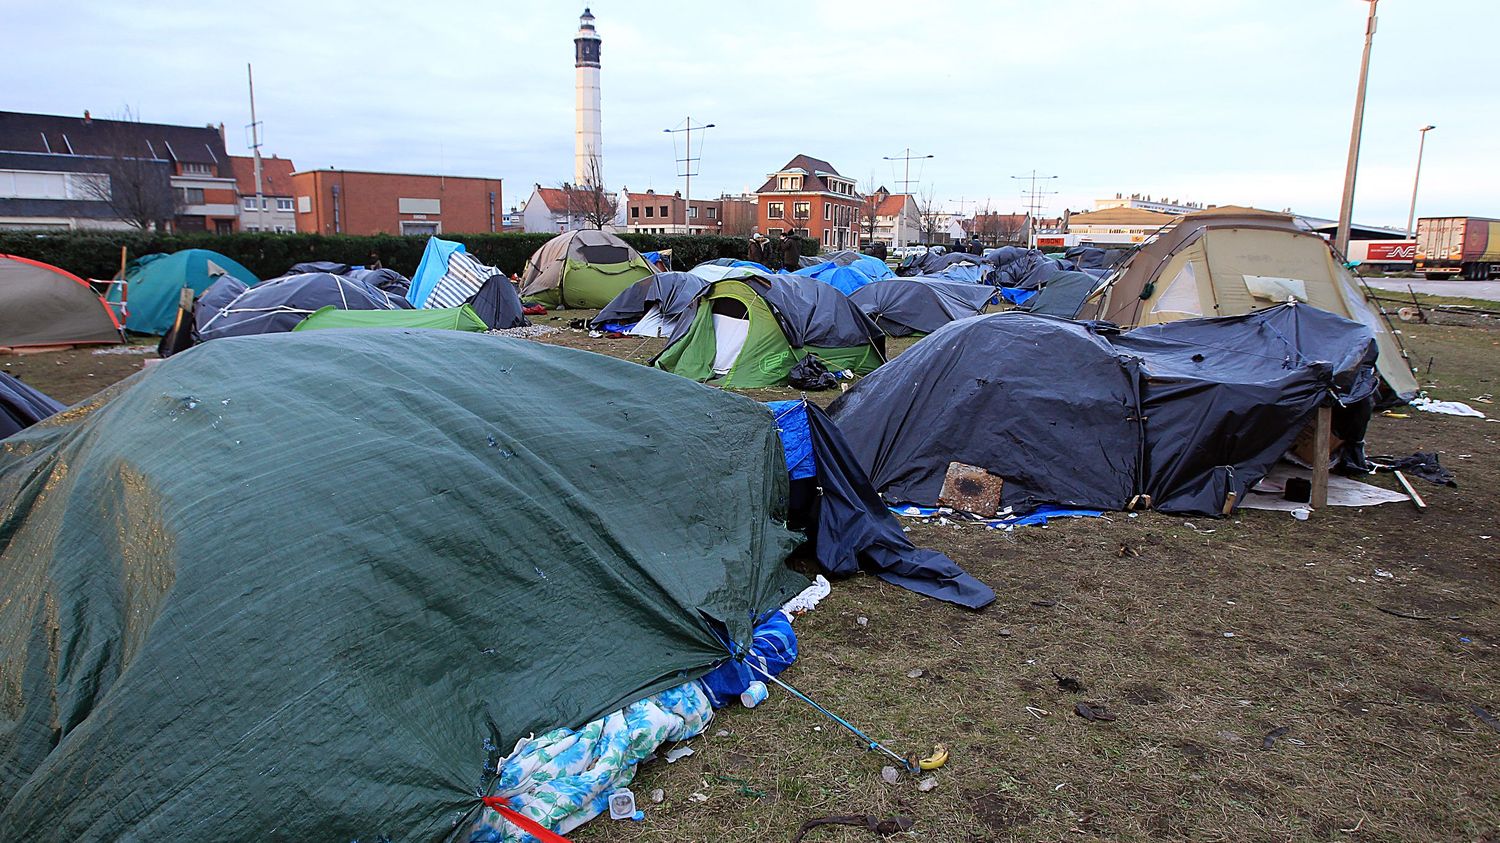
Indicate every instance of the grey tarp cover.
{"type": "Point", "coordinates": [279, 305]}
{"type": "Point", "coordinates": [1063, 294]}
{"type": "Point", "coordinates": [43, 305]}
{"type": "Point", "coordinates": [21, 406]}
{"type": "Point", "coordinates": [498, 304]}
{"type": "Point", "coordinates": [672, 293]}
{"type": "Point", "coordinates": [916, 305]}
{"type": "Point", "coordinates": [1072, 414]}
{"type": "Point", "coordinates": [254, 594]}
{"type": "Point", "coordinates": [814, 313]}
{"type": "Point", "coordinates": [934, 263]}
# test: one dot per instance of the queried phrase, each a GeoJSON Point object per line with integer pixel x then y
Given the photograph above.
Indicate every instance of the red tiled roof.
{"type": "Point", "coordinates": [813, 183]}
{"type": "Point", "coordinates": [275, 175]}
{"type": "Point", "coordinates": [553, 197]}
{"type": "Point", "coordinates": [891, 205]}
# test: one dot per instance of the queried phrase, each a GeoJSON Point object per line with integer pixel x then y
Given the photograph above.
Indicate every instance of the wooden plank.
{"type": "Point", "coordinates": [1416, 499]}
{"type": "Point", "coordinates": [1321, 434]}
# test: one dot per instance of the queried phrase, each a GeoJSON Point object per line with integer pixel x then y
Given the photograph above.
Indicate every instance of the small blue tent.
{"type": "Point", "coordinates": [155, 285]}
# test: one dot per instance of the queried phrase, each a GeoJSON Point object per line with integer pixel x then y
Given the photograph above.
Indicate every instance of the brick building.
{"type": "Point", "coordinates": [82, 172]}
{"type": "Point", "coordinates": [278, 206]}
{"type": "Point", "coordinates": [810, 197]}
{"type": "Point", "coordinates": [357, 202]}
{"type": "Point", "coordinates": [739, 214]}
{"type": "Point", "coordinates": [668, 213]}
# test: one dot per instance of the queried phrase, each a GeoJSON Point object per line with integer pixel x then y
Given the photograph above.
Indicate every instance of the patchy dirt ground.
{"type": "Point", "coordinates": [1201, 636]}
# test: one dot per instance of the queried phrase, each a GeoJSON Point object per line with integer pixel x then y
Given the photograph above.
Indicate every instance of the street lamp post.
{"type": "Point", "coordinates": [687, 171]}
{"type": "Point", "coordinates": [1411, 218]}
{"type": "Point", "coordinates": [905, 181]}
{"type": "Point", "coordinates": [1346, 207]}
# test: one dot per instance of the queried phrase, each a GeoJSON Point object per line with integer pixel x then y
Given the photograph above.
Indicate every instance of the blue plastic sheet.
{"type": "Point", "coordinates": [796, 440]}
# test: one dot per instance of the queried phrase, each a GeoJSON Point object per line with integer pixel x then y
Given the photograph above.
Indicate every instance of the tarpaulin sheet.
{"type": "Point", "coordinates": [22, 406]}
{"type": "Point", "coordinates": [254, 592]}
{"type": "Point", "coordinates": [919, 305]}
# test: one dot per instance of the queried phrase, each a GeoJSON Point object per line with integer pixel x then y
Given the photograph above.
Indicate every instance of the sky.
{"type": "Point", "coordinates": [1214, 101]}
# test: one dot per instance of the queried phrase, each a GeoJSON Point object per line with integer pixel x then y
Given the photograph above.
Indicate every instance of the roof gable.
{"type": "Point", "coordinates": [57, 135]}
{"type": "Point", "coordinates": [275, 175]}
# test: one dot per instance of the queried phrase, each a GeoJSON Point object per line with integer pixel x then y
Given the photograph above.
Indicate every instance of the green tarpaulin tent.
{"type": "Point", "coordinates": [585, 268]}
{"type": "Point", "coordinates": [255, 593]}
{"type": "Point", "coordinates": [461, 318]}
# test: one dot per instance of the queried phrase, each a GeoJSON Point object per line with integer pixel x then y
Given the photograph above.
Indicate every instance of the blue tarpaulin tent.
{"type": "Point", "coordinates": [433, 267]}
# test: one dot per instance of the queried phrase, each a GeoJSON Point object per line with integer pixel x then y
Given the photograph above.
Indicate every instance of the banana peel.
{"type": "Point", "coordinates": [938, 758]}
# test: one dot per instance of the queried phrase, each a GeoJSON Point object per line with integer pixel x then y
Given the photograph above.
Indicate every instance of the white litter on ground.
{"type": "Point", "coordinates": [1447, 408]}
{"type": "Point", "coordinates": [809, 598]}
{"type": "Point", "coordinates": [125, 349]}
{"type": "Point", "coordinates": [525, 332]}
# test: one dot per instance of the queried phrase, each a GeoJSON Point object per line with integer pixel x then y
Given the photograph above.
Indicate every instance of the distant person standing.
{"type": "Point", "coordinates": [757, 250]}
{"type": "Point", "coordinates": [791, 251]}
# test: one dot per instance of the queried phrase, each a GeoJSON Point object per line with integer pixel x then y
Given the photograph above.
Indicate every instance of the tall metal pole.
{"type": "Point", "coordinates": [687, 167]}
{"type": "Point", "coordinates": [260, 200]}
{"type": "Point", "coordinates": [1411, 217]}
{"type": "Point", "coordinates": [1346, 207]}
{"type": "Point", "coordinates": [906, 157]}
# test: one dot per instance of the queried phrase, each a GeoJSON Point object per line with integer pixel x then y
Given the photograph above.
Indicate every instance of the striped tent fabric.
{"type": "Point", "coordinates": [463, 279]}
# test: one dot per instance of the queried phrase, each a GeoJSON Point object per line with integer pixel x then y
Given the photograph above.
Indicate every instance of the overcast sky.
{"type": "Point", "coordinates": [1217, 101]}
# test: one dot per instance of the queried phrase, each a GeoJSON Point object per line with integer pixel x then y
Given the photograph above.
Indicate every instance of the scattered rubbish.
{"type": "Point", "coordinates": [722, 733]}
{"type": "Point", "coordinates": [1229, 635]}
{"type": "Point", "coordinates": [525, 332]}
{"type": "Point", "coordinates": [1400, 614]}
{"type": "Point", "coordinates": [1422, 465]}
{"type": "Point", "coordinates": [681, 752]}
{"type": "Point", "coordinates": [1230, 737]}
{"type": "Point", "coordinates": [658, 796]}
{"type": "Point", "coordinates": [1046, 604]}
{"type": "Point", "coordinates": [890, 775]}
{"type": "Point", "coordinates": [1301, 513]}
{"type": "Point", "coordinates": [123, 349]}
{"type": "Point", "coordinates": [862, 620]}
{"type": "Point", "coordinates": [754, 695]}
{"type": "Point", "coordinates": [868, 822]}
{"type": "Point", "coordinates": [1270, 739]}
{"type": "Point", "coordinates": [914, 673]}
{"type": "Point", "coordinates": [1464, 639]}
{"type": "Point", "coordinates": [1093, 713]}
{"type": "Point", "coordinates": [1038, 713]}
{"type": "Point", "coordinates": [621, 804]}
{"type": "Point", "coordinates": [938, 758]}
{"type": "Point", "coordinates": [1384, 574]}
{"type": "Point", "coordinates": [1005, 633]}
{"type": "Point", "coordinates": [927, 784]}
{"type": "Point", "coordinates": [1486, 718]}
{"type": "Point", "coordinates": [698, 797]}
{"type": "Point", "coordinates": [1447, 408]}
{"type": "Point", "coordinates": [809, 597]}
{"type": "Point", "coordinates": [1068, 683]}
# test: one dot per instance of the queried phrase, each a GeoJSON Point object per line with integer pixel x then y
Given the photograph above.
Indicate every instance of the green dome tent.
{"type": "Point", "coordinates": [749, 332]}
{"type": "Point", "coordinates": [585, 268]}
{"type": "Point", "coordinates": [255, 593]}
{"type": "Point", "coordinates": [155, 282]}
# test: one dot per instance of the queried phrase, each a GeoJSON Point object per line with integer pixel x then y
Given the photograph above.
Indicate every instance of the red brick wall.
{"type": "Point", "coordinates": [369, 202]}
{"type": "Point", "coordinates": [815, 224]}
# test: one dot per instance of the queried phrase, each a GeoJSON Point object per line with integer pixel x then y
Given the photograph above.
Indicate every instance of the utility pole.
{"type": "Point", "coordinates": [260, 199]}
{"type": "Point", "coordinates": [1346, 207]}
{"type": "Point", "coordinates": [1411, 218]}
{"type": "Point", "coordinates": [907, 158]}
{"type": "Point", "coordinates": [1033, 204]}
{"type": "Point", "coordinates": [688, 163]}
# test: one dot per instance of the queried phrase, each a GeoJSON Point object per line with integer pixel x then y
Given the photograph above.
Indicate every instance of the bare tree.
{"type": "Point", "coordinates": [131, 180]}
{"type": "Point", "coordinates": [590, 201]}
{"type": "Point", "coordinates": [999, 229]}
{"type": "Point", "coordinates": [872, 204]}
{"type": "Point", "coordinates": [931, 215]}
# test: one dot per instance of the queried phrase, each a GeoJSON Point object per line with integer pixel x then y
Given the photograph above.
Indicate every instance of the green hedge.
{"type": "Point", "coordinates": [97, 254]}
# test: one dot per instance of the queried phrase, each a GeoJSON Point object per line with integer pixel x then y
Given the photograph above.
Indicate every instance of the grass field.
{"type": "Point", "coordinates": [1372, 677]}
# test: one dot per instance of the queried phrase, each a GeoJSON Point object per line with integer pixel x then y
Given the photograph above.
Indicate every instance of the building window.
{"type": "Point", "coordinates": [635, 212]}
{"type": "Point", "coordinates": [775, 210]}
{"type": "Point", "coordinates": [421, 227]}
{"type": "Point", "coordinates": [692, 212]}
{"type": "Point", "coordinates": [773, 232]}
{"type": "Point", "coordinates": [252, 228]}
{"type": "Point", "coordinates": [650, 212]}
{"type": "Point", "coordinates": [827, 210]}
{"type": "Point", "coordinates": [248, 202]}
{"type": "Point", "coordinates": [304, 204]}
{"type": "Point", "coordinates": [194, 196]}
{"type": "Point", "coordinates": [801, 210]}
{"type": "Point", "coordinates": [827, 236]}
{"type": "Point", "coordinates": [197, 170]}
{"type": "Point", "coordinates": [713, 213]}
{"type": "Point", "coordinates": [284, 204]}
{"type": "Point", "coordinates": [664, 213]}
{"type": "Point", "coordinates": [789, 182]}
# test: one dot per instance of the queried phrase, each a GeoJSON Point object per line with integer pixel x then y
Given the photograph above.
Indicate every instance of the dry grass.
{"type": "Point", "coordinates": [1380, 743]}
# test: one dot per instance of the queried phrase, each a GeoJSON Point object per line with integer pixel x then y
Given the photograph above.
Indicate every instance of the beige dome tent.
{"type": "Point", "coordinates": [1230, 261]}
{"type": "Point", "coordinates": [586, 268]}
{"type": "Point", "coordinates": [41, 305]}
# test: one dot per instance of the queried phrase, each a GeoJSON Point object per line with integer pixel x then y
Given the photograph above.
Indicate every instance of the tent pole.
{"type": "Point", "coordinates": [1321, 434]}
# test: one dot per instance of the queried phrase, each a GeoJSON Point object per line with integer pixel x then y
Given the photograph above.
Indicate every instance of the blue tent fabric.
{"type": "Point", "coordinates": [851, 529]}
{"type": "Point", "coordinates": [1017, 296]}
{"type": "Point", "coordinates": [796, 439]}
{"type": "Point", "coordinates": [845, 279]}
{"type": "Point", "coordinates": [772, 650]}
{"type": "Point", "coordinates": [21, 406]}
{"type": "Point", "coordinates": [431, 269]}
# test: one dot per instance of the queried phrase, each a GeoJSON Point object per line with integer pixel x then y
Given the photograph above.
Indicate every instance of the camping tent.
{"type": "Point", "coordinates": [461, 318]}
{"type": "Point", "coordinates": [919, 305]}
{"type": "Point", "coordinates": [498, 304]}
{"type": "Point", "coordinates": [1071, 414]}
{"type": "Point", "coordinates": [721, 268]}
{"type": "Point", "coordinates": [1234, 260]}
{"type": "Point", "coordinates": [43, 305]}
{"type": "Point", "coordinates": [296, 611]}
{"type": "Point", "coordinates": [655, 306]}
{"type": "Point", "coordinates": [280, 304]}
{"type": "Point", "coordinates": [1062, 294]}
{"type": "Point", "coordinates": [447, 275]}
{"type": "Point", "coordinates": [749, 332]}
{"type": "Point", "coordinates": [585, 268]}
{"type": "Point", "coordinates": [845, 279]}
{"type": "Point", "coordinates": [21, 406]}
{"type": "Point", "coordinates": [155, 282]}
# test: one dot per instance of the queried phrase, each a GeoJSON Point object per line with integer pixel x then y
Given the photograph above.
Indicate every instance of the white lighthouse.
{"type": "Point", "coordinates": [588, 139]}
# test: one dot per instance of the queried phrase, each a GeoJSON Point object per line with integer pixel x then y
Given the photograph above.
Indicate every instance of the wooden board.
{"type": "Point", "coordinates": [969, 488]}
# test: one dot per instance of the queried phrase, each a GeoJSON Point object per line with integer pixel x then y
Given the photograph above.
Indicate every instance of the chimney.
{"type": "Point", "coordinates": [222, 137]}
{"type": "Point", "coordinates": [87, 119]}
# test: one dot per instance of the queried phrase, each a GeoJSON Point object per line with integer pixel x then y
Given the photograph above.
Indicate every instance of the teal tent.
{"type": "Point", "coordinates": [155, 282]}
{"type": "Point", "coordinates": [256, 592]}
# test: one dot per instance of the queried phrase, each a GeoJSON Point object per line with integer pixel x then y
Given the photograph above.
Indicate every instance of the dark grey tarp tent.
{"type": "Point", "coordinates": [1069, 413]}
{"type": "Point", "coordinates": [812, 313]}
{"type": "Point", "coordinates": [280, 304]}
{"type": "Point", "coordinates": [919, 306]}
{"type": "Point", "coordinates": [21, 406]}
{"type": "Point", "coordinates": [671, 293]}
{"type": "Point", "coordinates": [498, 304]}
{"type": "Point", "coordinates": [933, 263]}
{"type": "Point", "coordinates": [1063, 294]}
{"type": "Point", "coordinates": [41, 304]}
{"type": "Point", "coordinates": [253, 593]}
